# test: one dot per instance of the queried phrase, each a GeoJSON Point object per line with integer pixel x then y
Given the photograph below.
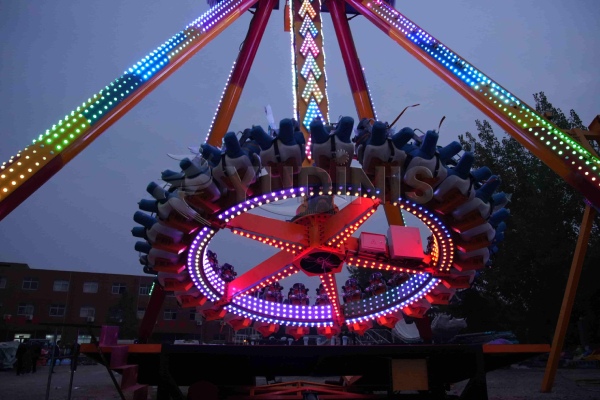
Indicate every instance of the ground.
{"type": "Point", "coordinates": [92, 382]}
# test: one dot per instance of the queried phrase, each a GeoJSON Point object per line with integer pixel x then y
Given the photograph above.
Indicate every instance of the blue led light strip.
{"type": "Point", "coordinates": [554, 139]}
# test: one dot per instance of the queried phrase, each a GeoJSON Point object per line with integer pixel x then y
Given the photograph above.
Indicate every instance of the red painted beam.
{"type": "Point", "coordinates": [356, 78]}
{"type": "Point", "coordinates": [240, 72]}
{"type": "Point", "coordinates": [264, 227]}
{"type": "Point", "coordinates": [152, 311]}
{"type": "Point", "coordinates": [268, 269]}
{"type": "Point", "coordinates": [347, 217]}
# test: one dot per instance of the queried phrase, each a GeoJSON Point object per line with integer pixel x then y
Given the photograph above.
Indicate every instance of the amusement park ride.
{"type": "Point", "coordinates": [312, 159]}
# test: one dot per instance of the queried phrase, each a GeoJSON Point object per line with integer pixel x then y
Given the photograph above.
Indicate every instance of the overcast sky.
{"type": "Point", "coordinates": [56, 54]}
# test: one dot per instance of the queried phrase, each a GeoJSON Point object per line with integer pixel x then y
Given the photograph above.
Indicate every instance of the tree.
{"type": "Point", "coordinates": [525, 286]}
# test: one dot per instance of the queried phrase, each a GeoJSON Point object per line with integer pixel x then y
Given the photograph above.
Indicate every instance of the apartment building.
{"type": "Point", "coordinates": [37, 303]}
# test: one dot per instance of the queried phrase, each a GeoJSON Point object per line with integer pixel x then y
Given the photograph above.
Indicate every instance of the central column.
{"type": "Point", "coordinates": [308, 65]}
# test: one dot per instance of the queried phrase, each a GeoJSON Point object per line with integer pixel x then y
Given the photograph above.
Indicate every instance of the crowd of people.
{"type": "Point", "coordinates": [30, 353]}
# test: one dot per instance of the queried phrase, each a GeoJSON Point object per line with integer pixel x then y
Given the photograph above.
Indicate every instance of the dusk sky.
{"type": "Point", "coordinates": [56, 54]}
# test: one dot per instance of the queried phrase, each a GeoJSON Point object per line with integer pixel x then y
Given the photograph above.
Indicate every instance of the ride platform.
{"type": "Point", "coordinates": [426, 370]}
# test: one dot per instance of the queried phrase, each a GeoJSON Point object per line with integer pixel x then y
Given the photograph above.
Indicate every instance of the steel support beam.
{"type": "Point", "coordinates": [239, 75]}
{"type": "Point", "coordinates": [356, 77]}
{"type": "Point", "coordinates": [568, 299]}
{"type": "Point", "coordinates": [572, 163]}
{"type": "Point", "coordinates": [53, 161]}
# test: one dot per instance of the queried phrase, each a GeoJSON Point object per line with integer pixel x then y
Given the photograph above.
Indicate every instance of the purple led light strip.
{"type": "Point", "coordinates": [213, 287]}
{"type": "Point", "coordinates": [417, 296]}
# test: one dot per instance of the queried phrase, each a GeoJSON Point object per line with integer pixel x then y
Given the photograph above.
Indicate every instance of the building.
{"type": "Point", "coordinates": [34, 303]}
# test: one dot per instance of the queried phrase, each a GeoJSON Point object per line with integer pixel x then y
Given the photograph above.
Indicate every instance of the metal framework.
{"type": "Point", "coordinates": [25, 172]}
{"type": "Point", "coordinates": [569, 157]}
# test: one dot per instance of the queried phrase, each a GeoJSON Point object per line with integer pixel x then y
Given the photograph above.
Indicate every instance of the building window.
{"type": "Point", "coordinates": [87, 312]}
{"type": "Point", "coordinates": [57, 310]}
{"type": "Point", "coordinates": [84, 339]}
{"type": "Point", "coordinates": [30, 283]}
{"type": "Point", "coordinates": [25, 309]}
{"type": "Point", "coordinates": [140, 313]}
{"type": "Point", "coordinates": [2, 282]}
{"type": "Point", "coordinates": [90, 287]}
{"type": "Point", "coordinates": [61, 286]}
{"type": "Point", "coordinates": [170, 315]}
{"type": "Point", "coordinates": [119, 288]}
{"type": "Point", "coordinates": [50, 338]}
{"type": "Point", "coordinates": [193, 314]}
{"type": "Point", "coordinates": [145, 289]}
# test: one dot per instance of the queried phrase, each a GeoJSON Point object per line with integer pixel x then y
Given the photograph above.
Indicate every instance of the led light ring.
{"type": "Point", "coordinates": [213, 287]}
{"type": "Point", "coordinates": [197, 265]}
{"type": "Point", "coordinates": [245, 305]}
{"type": "Point", "coordinates": [399, 304]}
{"type": "Point", "coordinates": [397, 297]}
{"type": "Point", "coordinates": [257, 309]}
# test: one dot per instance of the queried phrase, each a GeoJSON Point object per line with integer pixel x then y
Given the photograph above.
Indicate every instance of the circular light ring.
{"type": "Point", "coordinates": [197, 266]}
{"type": "Point", "coordinates": [429, 284]}
{"type": "Point", "coordinates": [248, 306]}
{"type": "Point", "coordinates": [282, 314]}
{"type": "Point", "coordinates": [442, 253]}
{"type": "Point", "coordinates": [443, 243]}
{"type": "Point", "coordinates": [213, 287]}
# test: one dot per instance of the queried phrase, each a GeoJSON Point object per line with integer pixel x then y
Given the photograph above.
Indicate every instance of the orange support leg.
{"type": "Point", "coordinates": [568, 299]}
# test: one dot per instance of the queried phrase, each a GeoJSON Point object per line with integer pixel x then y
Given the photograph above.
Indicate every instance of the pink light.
{"type": "Point", "coordinates": [309, 44]}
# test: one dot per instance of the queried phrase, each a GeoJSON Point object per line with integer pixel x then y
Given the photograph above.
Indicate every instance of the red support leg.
{"type": "Point", "coordinates": [237, 80]}
{"type": "Point", "coordinates": [356, 78]}
{"type": "Point", "coordinates": [151, 315]}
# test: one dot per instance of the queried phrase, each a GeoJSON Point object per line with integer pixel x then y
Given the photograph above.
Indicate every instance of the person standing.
{"type": "Point", "coordinates": [36, 353]}
{"type": "Point", "coordinates": [55, 355]}
{"type": "Point", "coordinates": [21, 352]}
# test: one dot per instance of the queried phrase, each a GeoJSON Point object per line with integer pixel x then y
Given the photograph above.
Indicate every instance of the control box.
{"type": "Point", "coordinates": [372, 243]}
{"type": "Point", "coordinates": [405, 242]}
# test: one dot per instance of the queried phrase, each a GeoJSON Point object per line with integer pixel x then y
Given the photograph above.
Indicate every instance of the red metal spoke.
{"type": "Point", "coordinates": [272, 269]}
{"type": "Point", "coordinates": [281, 234]}
{"type": "Point", "coordinates": [356, 77]}
{"type": "Point", "coordinates": [343, 224]}
{"type": "Point", "coordinates": [330, 285]}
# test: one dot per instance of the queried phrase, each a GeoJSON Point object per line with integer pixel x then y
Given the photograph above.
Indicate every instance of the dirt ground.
{"type": "Point", "coordinates": [92, 382]}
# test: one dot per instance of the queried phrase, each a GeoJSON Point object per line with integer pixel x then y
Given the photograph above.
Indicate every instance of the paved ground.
{"type": "Point", "coordinates": [92, 382]}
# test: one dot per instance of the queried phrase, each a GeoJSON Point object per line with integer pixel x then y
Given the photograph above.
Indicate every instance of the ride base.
{"type": "Point", "coordinates": [388, 371]}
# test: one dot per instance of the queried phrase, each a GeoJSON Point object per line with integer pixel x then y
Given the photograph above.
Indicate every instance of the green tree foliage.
{"type": "Point", "coordinates": [124, 315]}
{"type": "Point", "coordinates": [523, 290]}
